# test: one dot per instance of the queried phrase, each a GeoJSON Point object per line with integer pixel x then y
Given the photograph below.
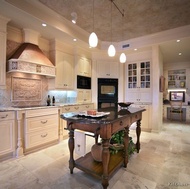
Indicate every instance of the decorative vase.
{"type": "Point", "coordinates": [96, 151]}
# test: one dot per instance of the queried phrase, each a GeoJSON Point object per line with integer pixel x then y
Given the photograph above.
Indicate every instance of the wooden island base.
{"type": "Point", "coordinates": [104, 128]}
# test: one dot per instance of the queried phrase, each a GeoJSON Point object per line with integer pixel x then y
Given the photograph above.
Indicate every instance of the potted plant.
{"type": "Point", "coordinates": [116, 144]}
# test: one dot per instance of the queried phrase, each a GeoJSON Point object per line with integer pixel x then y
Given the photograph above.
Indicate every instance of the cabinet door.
{"type": "Point", "coordinates": [64, 71]}
{"type": "Point", "coordinates": [2, 59]}
{"type": "Point", "coordinates": [84, 67]}
{"type": "Point", "coordinates": [84, 96]}
{"type": "Point", "coordinates": [188, 80]}
{"type": "Point", "coordinates": [107, 69]}
{"type": "Point", "coordinates": [188, 114]}
{"type": "Point", "coordinates": [6, 137]}
{"type": "Point", "coordinates": [132, 96]}
{"type": "Point", "coordinates": [138, 75]}
{"type": "Point", "coordinates": [138, 96]}
{"type": "Point", "coordinates": [132, 76]}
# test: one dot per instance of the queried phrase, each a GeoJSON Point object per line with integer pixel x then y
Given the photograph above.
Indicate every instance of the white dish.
{"type": "Point", "coordinates": [98, 114]}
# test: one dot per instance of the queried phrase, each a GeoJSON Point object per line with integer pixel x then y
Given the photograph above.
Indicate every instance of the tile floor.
{"type": "Point", "coordinates": [163, 163]}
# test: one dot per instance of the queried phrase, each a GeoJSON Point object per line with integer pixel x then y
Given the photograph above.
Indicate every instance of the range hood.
{"type": "Point", "coordinates": [29, 58]}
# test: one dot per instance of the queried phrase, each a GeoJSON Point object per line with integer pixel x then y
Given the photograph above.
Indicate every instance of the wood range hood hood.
{"type": "Point", "coordinates": [29, 58]}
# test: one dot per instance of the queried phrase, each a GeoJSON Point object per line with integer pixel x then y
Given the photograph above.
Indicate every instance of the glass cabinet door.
{"type": "Point", "coordinates": [145, 75]}
{"type": "Point", "coordinates": [132, 75]}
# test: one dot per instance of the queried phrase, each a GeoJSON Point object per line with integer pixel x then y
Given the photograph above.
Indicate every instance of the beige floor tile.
{"type": "Point", "coordinates": [163, 163]}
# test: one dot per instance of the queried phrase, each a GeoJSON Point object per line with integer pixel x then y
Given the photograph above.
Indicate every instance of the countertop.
{"type": "Point", "coordinates": [114, 114]}
{"type": "Point", "coordinates": [16, 108]}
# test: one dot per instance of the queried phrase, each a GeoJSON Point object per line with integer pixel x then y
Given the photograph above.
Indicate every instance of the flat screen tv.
{"type": "Point", "coordinates": [177, 96]}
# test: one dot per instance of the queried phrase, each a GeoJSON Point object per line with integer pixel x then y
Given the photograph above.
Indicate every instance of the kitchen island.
{"type": "Point", "coordinates": [103, 127]}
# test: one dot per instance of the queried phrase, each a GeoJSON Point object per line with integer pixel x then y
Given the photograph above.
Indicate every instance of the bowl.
{"type": "Point", "coordinates": [125, 104]}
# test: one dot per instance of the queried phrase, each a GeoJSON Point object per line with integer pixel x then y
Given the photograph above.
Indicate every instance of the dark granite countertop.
{"type": "Point", "coordinates": [114, 114]}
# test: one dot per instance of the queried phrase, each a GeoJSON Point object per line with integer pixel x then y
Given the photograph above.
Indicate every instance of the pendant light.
{"type": "Point", "coordinates": [111, 49]}
{"type": "Point", "coordinates": [93, 39]}
{"type": "Point", "coordinates": [122, 57]}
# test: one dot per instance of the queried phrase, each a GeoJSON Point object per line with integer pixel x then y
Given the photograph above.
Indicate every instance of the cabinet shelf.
{"type": "Point", "coordinates": [177, 78]}
{"type": "Point", "coordinates": [90, 166]}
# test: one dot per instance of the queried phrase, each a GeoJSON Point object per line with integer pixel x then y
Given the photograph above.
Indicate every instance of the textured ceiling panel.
{"type": "Point", "coordinates": [142, 17]}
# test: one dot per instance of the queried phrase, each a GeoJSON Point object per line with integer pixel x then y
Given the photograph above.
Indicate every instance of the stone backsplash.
{"type": "Point", "coordinates": [29, 89]}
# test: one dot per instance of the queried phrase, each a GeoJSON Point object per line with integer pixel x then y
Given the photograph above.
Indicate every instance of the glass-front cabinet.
{"type": "Point", "coordinates": [138, 83]}
{"type": "Point", "coordinates": [139, 75]}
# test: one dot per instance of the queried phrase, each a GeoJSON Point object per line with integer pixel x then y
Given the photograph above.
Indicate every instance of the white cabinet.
{"type": "Point", "coordinates": [7, 133]}
{"type": "Point", "coordinates": [107, 69]}
{"type": "Point", "coordinates": [146, 116]}
{"type": "Point", "coordinates": [87, 107]}
{"type": "Point", "coordinates": [138, 82]}
{"type": "Point", "coordinates": [84, 96]}
{"type": "Point", "coordinates": [84, 67]}
{"type": "Point", "coordinates": [3, 40]}
{"type": "Point", "coordinates": [64, 71]}
{"type": "Point", "coordinates": [72, 108]}
{"type": "Point", "coordinates": [41, 127]}
{"type": "Point", "coordinates": [188, 80]}
{"type": "Point", "coordinates": [188, 113]}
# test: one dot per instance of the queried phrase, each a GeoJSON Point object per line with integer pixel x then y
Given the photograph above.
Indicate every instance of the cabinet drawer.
{"type": "Point", "coordinates": [135, 117]}
{"type": "Point", "coordinates": [87, 107]}
{"type": "Point", "coordinates": [120, 125]}
{"type": "Point", "coordinates": [36, 123]}
{"type": "Point", "coordinates": [41, 112]}
{"type": "Point", "coordinates": [68, 109]}
{"type": "Point", "coordinates": [71, 108]}
{"type": "Point", "coordinates": [37, 138]}
{"type": "Point", "coordinates": [7, 115]}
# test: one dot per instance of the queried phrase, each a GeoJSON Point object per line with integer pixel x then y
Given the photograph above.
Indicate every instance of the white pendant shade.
{"type": "Point", "coordinates": [122, 58]}
{"type": "Point", "coordinates": [93, 40]}
{"type": "Point", "coordinates": [111, 51]}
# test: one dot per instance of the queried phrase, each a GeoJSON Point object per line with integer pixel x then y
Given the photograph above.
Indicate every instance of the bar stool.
{"type": "Point", "coordinates": [176, 109]}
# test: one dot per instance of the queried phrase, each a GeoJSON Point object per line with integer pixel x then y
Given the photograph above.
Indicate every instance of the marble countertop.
{"type": "Point", "coordinates": [15, 108]}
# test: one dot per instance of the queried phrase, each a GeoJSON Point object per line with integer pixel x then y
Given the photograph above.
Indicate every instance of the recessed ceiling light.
{"type": "Point", "coordinates": [74, 39]}
{"type": "Point", "coordinates": [135, 49]}
{"type": "Point", "coordinates": [180, 54]}
{"type": "Point", "coordinates": [44, 24]}
{"type": "Point", "coordinates": [178, 41]}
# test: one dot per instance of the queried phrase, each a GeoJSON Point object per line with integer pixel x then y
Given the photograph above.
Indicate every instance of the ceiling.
{"type": "Point", "coordinates": [141, 18]}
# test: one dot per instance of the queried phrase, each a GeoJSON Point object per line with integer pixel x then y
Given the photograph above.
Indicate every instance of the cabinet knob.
{"type": "Point", "coordinates": [121, 123]}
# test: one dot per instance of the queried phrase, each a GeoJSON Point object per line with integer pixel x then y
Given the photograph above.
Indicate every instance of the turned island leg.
{"type": "Point", "coordinates": [138, 132]}
{"type": "Point", "coordinates": [126, 145]}
{"type": "Point", "coordinates": [105, 162]}
{"type": "Point", "coordinates": [71, 143]}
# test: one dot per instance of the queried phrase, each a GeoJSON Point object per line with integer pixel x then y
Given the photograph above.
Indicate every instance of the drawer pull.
{"type": "Point", "coordinates": [43, 122]}
{"type": "Point", "coordinates": [76, 108]}
{"type": "Point", "coordinates": [43, 136]}
{"type": "Point", "coordinates": [121, 123]}
{"type": "Point", "coordinates": [67, 109]}
{"type": "Point", "coordinates": [3, 117]}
